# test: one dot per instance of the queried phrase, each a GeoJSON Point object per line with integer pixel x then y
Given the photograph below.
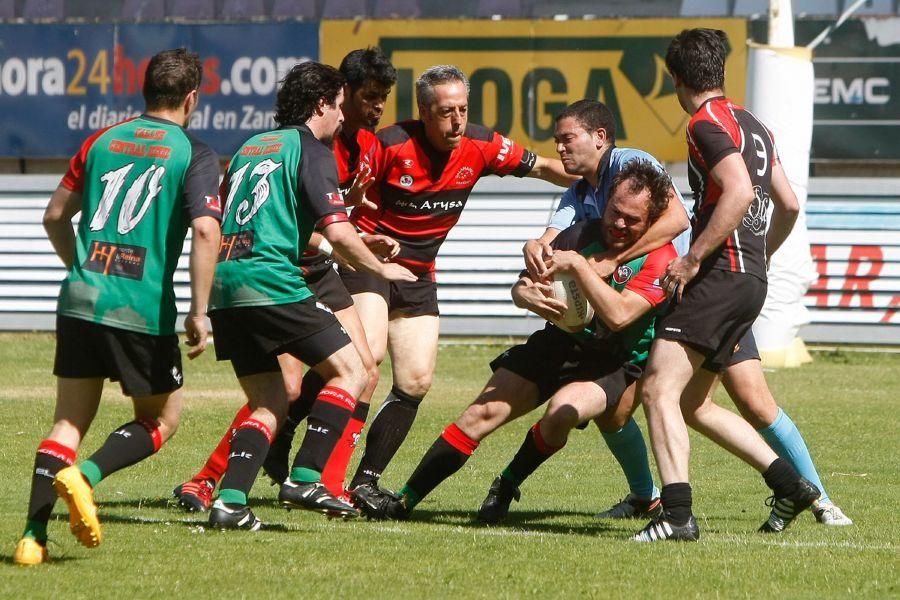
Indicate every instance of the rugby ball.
{"type": "Point", "coordinates": [579, 312]}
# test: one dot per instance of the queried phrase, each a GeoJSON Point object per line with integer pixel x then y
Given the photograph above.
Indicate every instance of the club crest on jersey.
{"type": "Point", "coordinates": [465, 176]}
{"type": "Point", "coordinates": [755, 217]}
{"type": "Point", "coordinates": [406, 180]}
{"type": "Point", "coordinates": [623, 274]}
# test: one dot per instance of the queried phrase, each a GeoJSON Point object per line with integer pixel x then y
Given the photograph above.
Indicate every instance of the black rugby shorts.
{"type": "Point", "coordinates": [252, 337]}
{"type": "Point", "coordinates": [410, 299]}
{"type": "Point", "coordinates": [143, 364]}
{"type": "Point", "coordinates": [717, 308]}
{"type": "Point", "coordinates": [551, 359]}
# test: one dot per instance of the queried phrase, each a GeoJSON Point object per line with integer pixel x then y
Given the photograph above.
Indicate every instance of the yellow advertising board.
{"type": "Point", "coordinates": [523, 72]}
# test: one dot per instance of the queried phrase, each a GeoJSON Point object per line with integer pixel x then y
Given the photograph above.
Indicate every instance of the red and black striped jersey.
{"type": "Point", "coordinates": [352, 151]}
{"type": "Point", "coordinates": [421, 192]}
{"type": "Point", "coordinates": [349, 153]}
{"type": "Point", "coordinates": [720, 128]}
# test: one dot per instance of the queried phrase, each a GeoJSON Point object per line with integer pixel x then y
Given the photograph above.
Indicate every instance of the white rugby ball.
{"type": "Point", "coordinates": [579, 312]}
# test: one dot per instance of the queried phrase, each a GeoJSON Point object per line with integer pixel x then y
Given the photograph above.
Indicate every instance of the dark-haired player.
{"type": "Point", "coordinates": [280, 186]}
{"type": "Point", "coordinates": [424, 172]}
{"type": "Point", "coordinates": [719, 287]}
{"type": "Point", "coordinates": [581, 374]}
{"type": "Point", "coordinates": [138, 185]}
{"type": "Point", "coordinates": [369, 76]}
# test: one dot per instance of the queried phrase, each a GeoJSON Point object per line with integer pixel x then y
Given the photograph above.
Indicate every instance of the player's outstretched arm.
{"type": "Point", "coordinates": [63, 206]}
{"type": "Point", "coordinates": [206, 238]}
{"type": "Point", "coordinates": [786, 209]}
{"type": "Point", "coordinates": [343, 236]}
{"type": "Point", "coordinates": [551, 169]}
{"type": "Point", "coordinates": [616, 310]}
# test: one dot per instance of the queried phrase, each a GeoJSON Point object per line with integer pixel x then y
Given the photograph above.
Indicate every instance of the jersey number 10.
{"type": "Point", "coordinates": [113, 181]}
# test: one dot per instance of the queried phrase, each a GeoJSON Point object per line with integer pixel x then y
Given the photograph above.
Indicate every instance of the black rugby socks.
{"type": "Point", "coordinates": [446, 456]}
{"type": "Point", "coordinates": [388, 432]}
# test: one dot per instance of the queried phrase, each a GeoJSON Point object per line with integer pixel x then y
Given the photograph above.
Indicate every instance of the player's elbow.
{"type": "Point", "coordinates": [790, 207]}
{"type": "Point", "coordinates": [205, 230]}
{"type": "Point", "coordinates": [617, 321]}
{"type": "Point", "coordinates": [683, 223]}
{"type": "Point", "coordinates": [52, 219]}
{"type": "Point", "coordinates": [338, 234]}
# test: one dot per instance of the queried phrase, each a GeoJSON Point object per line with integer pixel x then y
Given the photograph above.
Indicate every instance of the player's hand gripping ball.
{"type": "Point", "coordinates": [579, 312]}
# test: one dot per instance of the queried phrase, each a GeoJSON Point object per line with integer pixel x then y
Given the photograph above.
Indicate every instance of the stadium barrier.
{"type": "Point", "coordinates": [854, 228]}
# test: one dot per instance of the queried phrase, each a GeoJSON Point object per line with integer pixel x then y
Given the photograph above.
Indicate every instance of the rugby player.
{"type": "Point", "coordinates": [719, 287]}
{"type": "Point", "coordinates": [581, 373]}
{"type": "Point", "coordinates": [370, 77]}
{"type": "Point", "coordinates": [281, 185]}
{"type": "Point", "coordinates": [587, 135]}
{"type": "Point", "coordinates": [139, 185]}
{"type": "Point", "coordinates": [424, 171]}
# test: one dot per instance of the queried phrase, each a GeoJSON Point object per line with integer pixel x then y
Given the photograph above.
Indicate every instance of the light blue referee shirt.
{"type": "Point", "coordinates": [581, 202]}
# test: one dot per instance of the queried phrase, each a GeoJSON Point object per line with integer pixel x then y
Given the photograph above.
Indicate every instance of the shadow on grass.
{"type": "Point", "coordinates": [539, 521]}
{"type": "Point", "coordinates": [184, 520]}
{"type": "Point", "coordinates": [172, 504]}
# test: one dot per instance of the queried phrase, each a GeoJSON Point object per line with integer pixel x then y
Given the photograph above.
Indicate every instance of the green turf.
{"type": "Point", "coordinates": [845, 404]}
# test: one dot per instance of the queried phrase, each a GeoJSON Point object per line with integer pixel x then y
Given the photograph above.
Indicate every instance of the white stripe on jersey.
{"type": "Point", "coordinates": [740, 253]}
{"type": "Point", "coordinates": [698, 199]}
{"type": "Point", "coordinates": [741, 129]}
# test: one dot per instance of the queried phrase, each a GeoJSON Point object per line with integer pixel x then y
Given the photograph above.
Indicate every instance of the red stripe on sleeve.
{"type": "Point", "coordinates": [338, 217]}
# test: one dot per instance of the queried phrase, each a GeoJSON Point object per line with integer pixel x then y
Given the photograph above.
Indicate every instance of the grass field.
{"type": "Point", "coordinates": [844, 403]}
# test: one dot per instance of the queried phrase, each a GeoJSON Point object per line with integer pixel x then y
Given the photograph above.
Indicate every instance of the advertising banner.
{"type": "Point", "coordinates": [59, 83]}
{"type": "Point", "coordinates": [523, 72]}
{"type": "Point", "coordinates": [857, 87]}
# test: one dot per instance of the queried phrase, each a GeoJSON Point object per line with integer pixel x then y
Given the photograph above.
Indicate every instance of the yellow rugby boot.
{"type": "Point", "coordinates": [72, 487]}
{"type": "Point", "coordinates": [30, 552]}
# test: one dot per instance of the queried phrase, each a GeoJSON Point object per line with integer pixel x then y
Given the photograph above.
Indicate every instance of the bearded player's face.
{"type": "Point", "coordinates": [626, 218]}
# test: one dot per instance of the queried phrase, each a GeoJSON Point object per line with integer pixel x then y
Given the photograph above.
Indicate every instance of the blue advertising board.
{"type": "Point", "coordinates": [59, 83]}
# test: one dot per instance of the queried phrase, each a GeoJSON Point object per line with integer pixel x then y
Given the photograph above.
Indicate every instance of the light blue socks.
{"type": "Point", "coordinates": [785, 439]}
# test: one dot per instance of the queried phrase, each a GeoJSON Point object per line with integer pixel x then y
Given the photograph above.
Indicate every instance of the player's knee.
{"type": "Point", "coordinates": [758, 415]}
{"type": "Point", "coordinates": [168, 425]}
{"type": "Point", "coordinates": [66, 433]}
{"type": "Point", "coordinates": [417, 385]}
{"type": "Point", "coordinates": [292, 388]}
{"type": "Point", "coordinates": [353, 375]}
{"type": "Point", "coordinates": [653, 393]}
{"type": "Point", "coordinates": [561, 417]}
{"type": "Point", "coordinates": [479, 419]}
{"type": "Point", "coordinates": [611, 421]}
{"type": "Point", "coordinates": [373, 374]}
{"type": "Point", "coordinates": [757, 407]}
